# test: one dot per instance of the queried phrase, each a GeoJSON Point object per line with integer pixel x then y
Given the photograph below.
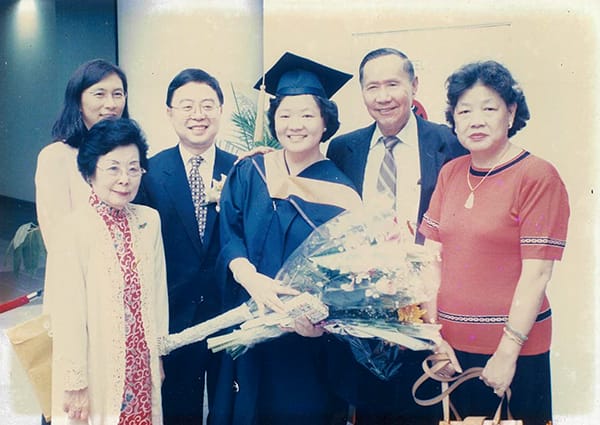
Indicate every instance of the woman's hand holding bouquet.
{"type": "Point", "coordinates": [359, 276]}
{"type": "Point", "coordinates": [262, 289]}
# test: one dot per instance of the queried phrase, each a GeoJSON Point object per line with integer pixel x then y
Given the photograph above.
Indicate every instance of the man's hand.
{"type": "Point", "coordinates": [259, 149]}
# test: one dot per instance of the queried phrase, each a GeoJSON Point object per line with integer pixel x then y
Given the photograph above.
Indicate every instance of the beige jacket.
{"type": "Point", "coordinates": [84, 286]}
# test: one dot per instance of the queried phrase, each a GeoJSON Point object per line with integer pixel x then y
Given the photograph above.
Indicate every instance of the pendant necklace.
{"type": "Point", "coordinates": [471, 198]}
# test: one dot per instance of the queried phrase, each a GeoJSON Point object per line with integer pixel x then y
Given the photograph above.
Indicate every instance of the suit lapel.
{"type": "Point", "coordinates": [177, 186]}
{"type": "Point", "coordinates": [358, 149]}
{"type": "Point", "coordinates": [431, 154]}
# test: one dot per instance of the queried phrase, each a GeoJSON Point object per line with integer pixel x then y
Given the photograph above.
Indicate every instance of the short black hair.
{"type": "Point", "coordinates": [193, 75]}
{"type": "Point", "coordinates": [104, 137]}
{"type": "Point", "coordinates": [70, 126]}
{"type": "Point", "coordinates": [386, 51]}
{"type": "Point", "coordinates": [495, 76]}
{"type": "Point", "coordinates": [329, 113]}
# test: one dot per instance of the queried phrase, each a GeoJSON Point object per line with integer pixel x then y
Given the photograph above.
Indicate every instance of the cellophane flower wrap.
{"type": "Point", "coordinates": [362, 278]}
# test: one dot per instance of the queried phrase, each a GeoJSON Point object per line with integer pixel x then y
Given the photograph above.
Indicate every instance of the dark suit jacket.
{"type": "Point", "coordinates": [437, 145]}
{"type": "Point", "coordinates": [193, 295]}
{"type": "Point", "coordinates": [356, 385]}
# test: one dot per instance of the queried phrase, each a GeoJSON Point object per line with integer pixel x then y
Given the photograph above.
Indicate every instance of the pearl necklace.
{"type": "Point", "coordinates": [471, 198]}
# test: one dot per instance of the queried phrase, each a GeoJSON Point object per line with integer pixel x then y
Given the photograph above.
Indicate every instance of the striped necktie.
{"type": "Point", "coordinates": [386, 182]}
{"type": "Point", "coordinates": [198, 193]}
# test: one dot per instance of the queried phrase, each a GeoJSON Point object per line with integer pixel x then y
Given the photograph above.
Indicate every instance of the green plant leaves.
{"type": "Point", "coordinates": [26, 248]}
{"type": "Point", "coordinates": [244, 119]}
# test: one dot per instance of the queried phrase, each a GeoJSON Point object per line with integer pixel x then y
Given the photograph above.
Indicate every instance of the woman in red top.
{"type": "Point", "coordinates": [501, 217]}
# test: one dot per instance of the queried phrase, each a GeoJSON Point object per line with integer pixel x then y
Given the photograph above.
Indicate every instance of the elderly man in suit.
{"type": "Point", "coordinates": [401, 154]}
{"type": "Point", "coordinates": [176, 185]}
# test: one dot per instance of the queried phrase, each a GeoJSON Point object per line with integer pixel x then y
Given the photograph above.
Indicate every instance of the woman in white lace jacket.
{"type": "Point", "coordinates": [109, 290]}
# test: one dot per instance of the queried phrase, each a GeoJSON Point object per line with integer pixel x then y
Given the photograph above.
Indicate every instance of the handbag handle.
{"type": "Point", "coordinates": [449, 384]}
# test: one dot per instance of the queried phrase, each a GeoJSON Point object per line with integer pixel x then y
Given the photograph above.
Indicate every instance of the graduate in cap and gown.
{"type": "Point", "coordinates": [269, 205]}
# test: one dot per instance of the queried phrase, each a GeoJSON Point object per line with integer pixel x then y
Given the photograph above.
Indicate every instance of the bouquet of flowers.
{"type": "Point", "coordinates": [362, 278]}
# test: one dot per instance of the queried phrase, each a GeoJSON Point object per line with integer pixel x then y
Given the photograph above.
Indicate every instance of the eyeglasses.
{"type": "Point", "coordinates": [116, 171]}
{"type": "Point", "coordinates": [188, 108]}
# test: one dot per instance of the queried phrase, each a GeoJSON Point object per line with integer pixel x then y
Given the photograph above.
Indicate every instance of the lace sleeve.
{"type": "Point", "coordinates": [75, 377]}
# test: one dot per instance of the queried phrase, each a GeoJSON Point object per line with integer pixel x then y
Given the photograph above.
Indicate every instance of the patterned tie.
{"type": "Point", "coordinates": [386, 182]}
{"type": "Point", "coordinates": [198, 193]}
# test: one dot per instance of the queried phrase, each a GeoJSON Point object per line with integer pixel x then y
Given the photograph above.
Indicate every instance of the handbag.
{"type": "Point", "coordinates": [32, 343]}
{"type": "Point", "coordinates": [449, 384]}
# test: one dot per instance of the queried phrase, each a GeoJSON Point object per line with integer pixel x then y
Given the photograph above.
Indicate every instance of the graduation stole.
{"type": "Point", "coordinates": [281, 185]}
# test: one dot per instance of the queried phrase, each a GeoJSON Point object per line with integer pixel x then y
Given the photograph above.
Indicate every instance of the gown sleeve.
{"type": "Point", "coordinates": [232, 203]}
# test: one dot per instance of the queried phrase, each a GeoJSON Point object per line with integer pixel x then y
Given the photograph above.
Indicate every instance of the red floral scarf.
{"type": "Point", "coordinates": [136, 407]}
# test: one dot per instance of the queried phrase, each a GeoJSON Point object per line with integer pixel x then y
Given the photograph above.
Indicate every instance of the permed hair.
{"type": "Point", "coordinates": [494, 76]}
{"type": "Point", "coordinates": [104, 137]}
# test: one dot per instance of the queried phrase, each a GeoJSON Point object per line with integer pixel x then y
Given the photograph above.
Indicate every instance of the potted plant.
{"type": "Point", "coordinates": [244, 120]}
{"type": "Point", "coordinates": [26, 248]}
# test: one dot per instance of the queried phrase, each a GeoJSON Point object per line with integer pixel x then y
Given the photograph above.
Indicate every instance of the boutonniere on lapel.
{"type": "Point", "coordinates": [142, 225]}
{"type": "Point", "coordinates": [213, 194]}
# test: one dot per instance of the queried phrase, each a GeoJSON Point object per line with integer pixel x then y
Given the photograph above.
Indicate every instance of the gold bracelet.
{"type": "Point", "coordinates": [512, 337]}
{"type": "Point", "coordinates": [518, 334]}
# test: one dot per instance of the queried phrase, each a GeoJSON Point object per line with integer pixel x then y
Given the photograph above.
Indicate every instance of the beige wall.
{"type": "Point", "coordinates": [159, 38]}
{"type": "Point", "coordinates": [552, 50]}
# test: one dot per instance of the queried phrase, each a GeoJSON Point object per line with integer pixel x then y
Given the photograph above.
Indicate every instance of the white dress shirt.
{"type": "Point", "coordinates": [408, 174]}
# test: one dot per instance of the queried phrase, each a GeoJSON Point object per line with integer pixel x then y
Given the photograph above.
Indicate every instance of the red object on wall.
{"type": "Point", "coordinates": [18, 302]}
{"type": "Point", "coordinates": [419, 109]}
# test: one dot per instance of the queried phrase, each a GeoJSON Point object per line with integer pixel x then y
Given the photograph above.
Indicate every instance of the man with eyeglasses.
{"type": "Point", "coordinates": [176, 184]}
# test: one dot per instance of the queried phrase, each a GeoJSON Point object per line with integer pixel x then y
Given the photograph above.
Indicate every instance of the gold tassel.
{"type": "Point", "coordinates": [260, 115]}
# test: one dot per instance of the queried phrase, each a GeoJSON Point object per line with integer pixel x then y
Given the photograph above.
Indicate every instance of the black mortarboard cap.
{"type": "Point", "coordinates": [293, 75]}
